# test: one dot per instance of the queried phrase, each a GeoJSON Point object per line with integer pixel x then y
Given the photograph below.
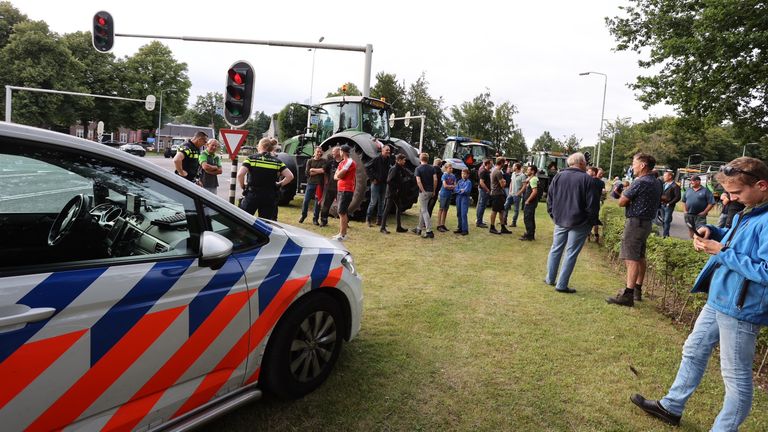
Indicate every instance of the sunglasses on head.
{"type": "Point", "coordinates": [732, 171]}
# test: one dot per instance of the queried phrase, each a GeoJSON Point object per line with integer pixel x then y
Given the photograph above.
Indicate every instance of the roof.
{"type": "Point", "coordinates": [183, 130]}
{"type": "Point", "coordinates": [469, 141]}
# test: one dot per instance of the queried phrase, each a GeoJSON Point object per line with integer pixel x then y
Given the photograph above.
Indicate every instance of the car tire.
{"type": "Point", "coordinates": [304, 347]}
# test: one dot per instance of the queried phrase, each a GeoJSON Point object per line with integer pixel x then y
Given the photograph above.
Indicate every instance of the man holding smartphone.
{"type": "Point", "coordinates": [736, 280]}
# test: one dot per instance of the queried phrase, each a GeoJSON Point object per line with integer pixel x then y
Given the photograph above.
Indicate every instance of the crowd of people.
{"type": "Point", "coordinates": [735, 277]}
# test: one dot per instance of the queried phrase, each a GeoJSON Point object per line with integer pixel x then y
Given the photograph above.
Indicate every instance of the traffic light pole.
{"type": "Point", "coordinates": [367, 49]}
{"type": "Point", "coordinates": [9, 97]}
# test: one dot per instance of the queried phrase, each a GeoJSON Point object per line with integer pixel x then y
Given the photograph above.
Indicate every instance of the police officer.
{"type": "Point", "coordinates": [264, 179]}
{"type": "Point", "coordinates": [187, 159]}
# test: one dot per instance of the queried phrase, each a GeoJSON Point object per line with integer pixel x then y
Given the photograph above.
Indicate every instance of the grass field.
{"type": "Point", "coordinates": [461, 333]}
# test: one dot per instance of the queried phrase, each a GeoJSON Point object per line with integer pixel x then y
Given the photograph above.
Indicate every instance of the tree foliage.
{"type": "Point", "coordinates": [546, 142]}
{"type": "Point", "coordinates": [710, 58]}
{"type": "Point", "coordinates": [420, 102]}
{"type": "Point", "coordinates": [387, 87]}
{"type": "Point", "coordinates": [291, 121]}
{"type": "Point", "coordinates": [352, 90]}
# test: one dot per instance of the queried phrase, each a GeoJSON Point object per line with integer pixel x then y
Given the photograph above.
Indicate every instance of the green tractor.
{"type": "Point", "coordinates": [548, 164]}
{"type": "Point", "coordinates": [358, 121]}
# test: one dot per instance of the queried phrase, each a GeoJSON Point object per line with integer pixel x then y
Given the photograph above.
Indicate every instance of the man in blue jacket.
{"type": "Point", "coordinates": [736, 278]}
{"type": "Point", "coordinates": [573, 206]}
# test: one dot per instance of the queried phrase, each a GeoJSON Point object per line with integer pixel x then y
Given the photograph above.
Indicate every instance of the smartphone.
{"type": "Point", "coordinates": [695, 231]}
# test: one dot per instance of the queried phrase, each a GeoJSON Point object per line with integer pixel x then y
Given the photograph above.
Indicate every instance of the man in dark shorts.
{"type": "Point", "coordinates": [345, 176]}
{"type": "Point", "coordinates": [497, 197]}
{"type": "Point", "coordinates": [641, 199]}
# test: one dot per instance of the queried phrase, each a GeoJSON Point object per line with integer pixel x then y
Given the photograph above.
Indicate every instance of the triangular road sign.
{"type": "Point", "coordinates": [233, 139]}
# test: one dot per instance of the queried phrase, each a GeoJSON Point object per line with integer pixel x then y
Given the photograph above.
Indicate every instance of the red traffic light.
{"type": "Point", "coordinates": [236, 77]}
{"type": "Point", "coordinates": [237, 106]}
{"type": "Point", "coordinates": [103, 31]}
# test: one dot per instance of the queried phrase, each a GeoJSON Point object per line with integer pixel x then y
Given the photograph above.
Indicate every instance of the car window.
{"type": "Point", "coordinates": [65, 206]}
{"type": "Point", "coordinates": [239, 234]}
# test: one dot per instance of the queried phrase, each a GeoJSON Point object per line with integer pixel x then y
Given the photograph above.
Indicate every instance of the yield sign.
{"type": "Point", "coordinates": [233, 139]}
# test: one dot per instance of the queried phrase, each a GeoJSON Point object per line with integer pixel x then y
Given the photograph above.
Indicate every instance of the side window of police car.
{"type": "Point", "coordinates": [59, 206]}
{"type": "Point", "coordinates": [238, 233]}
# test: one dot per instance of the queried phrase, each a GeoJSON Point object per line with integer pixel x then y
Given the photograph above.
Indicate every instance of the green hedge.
{"type": "Point", "coordinates": [673, 265]}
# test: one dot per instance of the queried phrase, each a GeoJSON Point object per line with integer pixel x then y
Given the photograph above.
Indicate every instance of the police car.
{"type": "Point", "coordinates": [132, 299]}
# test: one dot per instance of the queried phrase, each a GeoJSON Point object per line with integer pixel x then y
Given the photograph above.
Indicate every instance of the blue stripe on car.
{"type": "Point", "coordinates": [321, 268]}
{"type": "Point", "coordinates": [133, 306]}
{"type": "Point", "coordinates": [218, 287]}
{"type": "Point", "coordinates": [57, 291]}
{"type": "Point", "coordinates": [279, 273]}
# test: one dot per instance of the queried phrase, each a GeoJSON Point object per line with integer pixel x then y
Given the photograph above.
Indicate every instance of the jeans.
{"type": "Point", "coordinates": [482, 202]}
{"type": "Point", "coordinates": [462, 208]}
{"type": "Point", "coordinates": [667, 222]}
{"type": "Point", "coordinates": [309, 195]}
{"type": "Point", "coordinates": [392, 203]}
{"type": "Point", "coordinates": [571, 240]}
{"type": "Point", "coordinates": [737, 351]}
{"type": "Point", "coordinates": [425, 221]}
{"type": "Point", "coordinates": [512, 201]}
{"type": "Point", "coordinates": [377, 199]}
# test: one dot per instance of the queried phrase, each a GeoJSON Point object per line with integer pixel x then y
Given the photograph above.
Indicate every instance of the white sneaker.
{"type": "Point", "coordinates": [339, 237]}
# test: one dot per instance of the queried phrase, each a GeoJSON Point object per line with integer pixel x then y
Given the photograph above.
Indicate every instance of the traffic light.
{"type": "Point", "coordinates": [237, 106]}
{"type": "Point", "coordinates": [103, 31]}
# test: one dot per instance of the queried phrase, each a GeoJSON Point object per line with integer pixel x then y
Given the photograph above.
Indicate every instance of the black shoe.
{"type": "Point", "coordinates": [323, 222]}
{"type": "Point", "coordinates": [301, 219]}
{"type": "Point", "coordinates": [525, 238]}
{"type": "Point", "coordinates": [401, 230]}
{"type": "Point", "coordinates": [429, 234]}
{"type": "Point", "coordinates": [457, 231]}
{"type": "Point", "coordinates": [481, 225]}
{"type": "Point", "coordinates": [566, 291]}
{"type": "Point", "coordinates": [416, 231]}
{"type": "Point", "coordinates": [368, 221]}
{"type": "Point", "coordinates": [493, 230]}
{"type": "Point", "coordinates": [623, 298]}
{"type": "Point", "coordinates": [550, 284]}
{"type": "Point", "coordinates": [442, 228]}
{"type": "Point", "coordinates": [654, 408]}
{"type": "Point", "coordinates": [465, 233]}
{"type": "Point", "coordinates": [504, 230]}
{"type": "Point", "coordinates": [383, 230]}
{"type": "Point", "coordinates": [638, 294]}
{"type": "Point", "coordinates": [514, 225]}
{"type": "Point", "coordinates": [315, 222]}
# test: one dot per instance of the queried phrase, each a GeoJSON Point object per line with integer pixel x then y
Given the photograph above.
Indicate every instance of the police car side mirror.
{"type": "Point", "coordinates": [214, 250]}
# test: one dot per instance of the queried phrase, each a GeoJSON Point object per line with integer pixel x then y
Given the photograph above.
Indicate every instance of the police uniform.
{"type": "Point", "coordinates": [191, 161]}
{"type": "Point", "coordinates": [261, 191]}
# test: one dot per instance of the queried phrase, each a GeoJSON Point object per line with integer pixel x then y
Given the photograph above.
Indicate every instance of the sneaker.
{"type": "Point", "coordinates": [429, 234]}
{"type": "Point", "coordinates": [383, 230]}
{"type": "Point", "coordinates": [315, 222]}
{"type": "Point", "coordinates": [566, 290]}
{"type": "Point", "coordinates": [339, 237]}
{"type": "Point", "coordinates": [481, 225]}
{"type": "Point", "coordinates": [457, 231]}
{"type": "Point", "coordinates": [504, 230]}
{"type": "Point", "coordinates": [654, 408]}
{"type": "Point", "coordinates": [401, 230]}
{"type": "Point", "coordinates": [625, 297]}
{"type": "Point", "coordinates": [493, 230]}
{"type": "Point", "coordinates": [416, 231]}
{"type": "Point", "coordinates": [323, 222]}
{"type": "Point", "coordinates": [442, 228]}
{"type": "Point", "coordinates": [514, 225]}
{"type": "Point", "coordinates": [465, 233]}
{"type": "Point", "coordinates": [301, 219]}
{"type": "Point", "coordinates": [368, 221]}
{"type": "Point", "coordinates": [639, 294]}
{"type": "Point", "coordinates": [525, 238]}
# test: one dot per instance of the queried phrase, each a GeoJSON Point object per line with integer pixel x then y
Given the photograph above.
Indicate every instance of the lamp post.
{"type": "Point", "coordinates": [602, 113]}
{"type": "Point", "coordinates": [744, 152]}
{"type": "Point", "coordinates": [160, 117]}
{"type": "Point", "coordinates": [689, 159]}
{"type": "Point", "coordinates": [312, 80]}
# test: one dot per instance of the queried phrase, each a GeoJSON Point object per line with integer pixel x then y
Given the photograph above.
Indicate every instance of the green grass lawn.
{"type": "Point", "coordinates": [461, 333]}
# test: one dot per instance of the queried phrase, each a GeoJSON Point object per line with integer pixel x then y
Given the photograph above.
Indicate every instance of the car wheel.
{"type": "Point", "coordinates": [304, 347]}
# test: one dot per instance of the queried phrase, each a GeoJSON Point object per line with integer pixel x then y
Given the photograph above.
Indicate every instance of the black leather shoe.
{"type": "Point", "coordinates": [566, 291]}
{"type": "Point", "coordinates": [654, 408]}
{"type": "Point", "coordinates": [401, 230]}
{"type": "Point", "coordinates": [323, 222]}
{"type": "Point", "coordinates": [301, 219]}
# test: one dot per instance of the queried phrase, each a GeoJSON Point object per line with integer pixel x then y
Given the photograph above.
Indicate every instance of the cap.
{"type": "Point", "coordinates": [346, 148]}
{"type": "Point", "coordinates": [695, 178]}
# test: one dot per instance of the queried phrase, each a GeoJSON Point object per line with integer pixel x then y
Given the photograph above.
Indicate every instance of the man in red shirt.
{"type": "Point", "coordinates": [345, 175]}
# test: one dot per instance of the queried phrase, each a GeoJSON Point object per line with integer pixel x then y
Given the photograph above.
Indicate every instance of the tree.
{"type": "Point", "coordinates": [546, 143]}
{"type": "Point", "coordinates": [388, 88]}
{"type": "Point", "coordinates": [710, 57]}
{"type": "Point", "coordinates": [352, 90]}
{"type": "Point", "coordinates": [35, 57]}
{"type": "Point", "coordinates": [504, 132]}
{"type": "Point", "coordinates": [205, 110]}
{"type": "Point", "coordinates": [475, 118]}
{"type": "Point", "coordinates": [420, 102]}
{"type": "Point", "coordinates": [291, 121]}
{"type": "Point", "coordinates": [149, 71]}
{"type": "Point", "coordinates": [570, 144]}
{"type": "Point", "coordinates": [10, 17]}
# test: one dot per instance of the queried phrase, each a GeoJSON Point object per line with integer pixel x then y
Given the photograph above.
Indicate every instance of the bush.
{"type": "Point", "coordinates": [673, 265]}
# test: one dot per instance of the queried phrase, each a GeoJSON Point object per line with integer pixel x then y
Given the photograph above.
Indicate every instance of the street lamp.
{"type": "Point", "coordinates": [689, 159]}
{"type": "Point", "coordinates": [744, 152]}
{"type": "Point", "coordinates": [602, 114]}
{"type": "Point", "coordinates": [160, 117]}
{"type": "Point", "coordinates": [312, 81]}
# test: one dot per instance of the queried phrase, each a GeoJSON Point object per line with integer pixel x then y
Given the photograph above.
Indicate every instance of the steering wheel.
{"type": "Point", "coordinates": [66, 218]}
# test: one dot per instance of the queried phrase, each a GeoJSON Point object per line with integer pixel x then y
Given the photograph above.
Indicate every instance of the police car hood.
{"type": "Point", "coordinates": [308, 239]}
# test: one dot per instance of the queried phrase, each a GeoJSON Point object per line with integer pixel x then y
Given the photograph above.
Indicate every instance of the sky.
{"type": "Point", "coordinates": [528, 53]}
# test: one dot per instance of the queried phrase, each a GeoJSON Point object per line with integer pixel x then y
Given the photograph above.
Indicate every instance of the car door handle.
{"type": "Point", "coordinates": [31, 315]}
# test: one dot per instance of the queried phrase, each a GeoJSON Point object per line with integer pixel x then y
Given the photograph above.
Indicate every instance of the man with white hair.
{"type": "Point", "coordinates": [573, 208]}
